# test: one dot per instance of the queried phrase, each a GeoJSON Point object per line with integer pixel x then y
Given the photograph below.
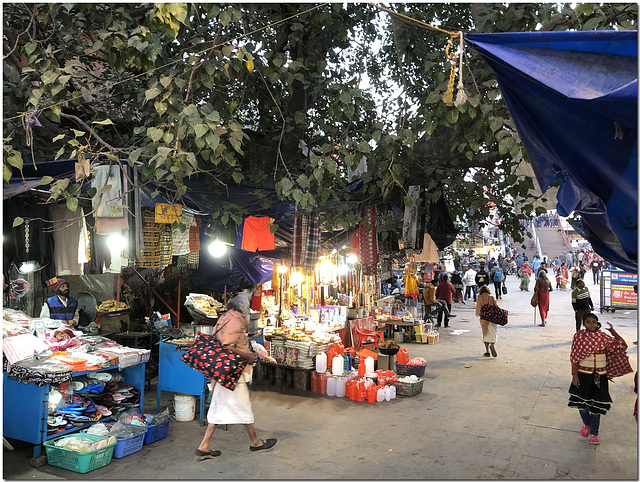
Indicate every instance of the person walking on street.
{"type": "Point", "coordinates": [469, 280]}
{"type": "Point", "coordinates": [482, 277]}
{"type": "Point", "coordinates": [489, 330]}
{"type": "Point", "coordinates": [445, 292]}
{"type": "Point", "coordinates": [498, 278]}
{"type": "Point", "coordinates": [233, 406]}
{"type": "Point", "coordinates": [456, 281]}
{"type": "Point", "coordinates": [525, 276]}
{"type": "Point", "coordinates": [581, 302]}
{"type": "Point", "coordinates": [595, 358]}
{"type": "Point", "coordinates": [543, 286]}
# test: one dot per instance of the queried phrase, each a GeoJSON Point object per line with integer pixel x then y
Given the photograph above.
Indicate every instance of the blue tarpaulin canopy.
{"type": "Point", "coordinates": [574, 97]}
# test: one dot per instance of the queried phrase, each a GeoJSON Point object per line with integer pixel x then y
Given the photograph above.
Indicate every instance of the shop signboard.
{"type": "Point", "coordinates": [622, 294]}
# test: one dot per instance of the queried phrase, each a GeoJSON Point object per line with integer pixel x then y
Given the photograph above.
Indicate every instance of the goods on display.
{"type": "Point", "coordinates": [111, 306]}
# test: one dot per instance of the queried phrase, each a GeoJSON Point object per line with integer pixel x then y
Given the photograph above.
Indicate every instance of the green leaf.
{"type": "Point", "coordinates": [227, 50]}
{"type": "Point", "coordinates": [161, 107]}
{"type": "Point", "coordinates": [452, 115]}
{"type": "Point", "coordinates": [106, 122]}
{"type": "Point", "coordinates": [78, 133]}
{"type": "Point", "coordinates": [151, 93]}
{"type": "Point", "coordinates": [495, 123]}
{"type": "Point", "coordinates": [49, 77]}
{"type": "Point", "coordinates": [201, 129]}
{"type": "Point", "coordinates": [285, 184]}
{"type": "Point", "coordinates": [46, 180]}
{"type": "Point", "coordinates": [17, 221]}
{"type": "Point", "coordinates": [135, 154]}
{"type": "Point", "coordinates": [72, 203]}
{"type": "Point", "coordinates": [57, 138]}
{"type": "Point", "coordinates": [154, 133]}
{"type": "Point", "coordinates": [237, 177]}
{"type": "Point", "coordinates": [318, 174]}
{"type": "Point", "coordinates": [408, 201]}
{"type": "Point", "coordinates": [15, 161]}
{"type": "Point", "coordinates": [304, 182]}
{"type": "Point", "coordinates": [29, 47]}
{"type": "Point", "coordinates": [345, 98]}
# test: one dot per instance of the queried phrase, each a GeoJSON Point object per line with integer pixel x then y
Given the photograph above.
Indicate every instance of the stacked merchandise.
{"type": "Point", "coordinates": [302, 354]}
{"type": "Point", "coordinates": [150, 255]}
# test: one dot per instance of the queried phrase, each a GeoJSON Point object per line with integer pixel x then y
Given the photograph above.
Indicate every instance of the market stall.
{"type": "Point", "coordinates": [57, 380]}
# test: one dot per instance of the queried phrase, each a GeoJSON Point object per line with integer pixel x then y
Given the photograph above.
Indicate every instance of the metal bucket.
{"type": "Point", "coordinates": [204, 329]}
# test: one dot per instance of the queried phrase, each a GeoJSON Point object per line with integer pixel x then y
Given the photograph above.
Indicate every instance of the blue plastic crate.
{"type": "Point", "coordinates": [129, 445]}
{"type": "Point", "coordinates": [156, 432]}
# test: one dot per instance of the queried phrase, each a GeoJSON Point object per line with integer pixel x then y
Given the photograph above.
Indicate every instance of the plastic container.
{"type": "Point", "coordinates": [81, 462]}
{"type": "Point", "coordinates": [331, 386]}
{"type": "Point", "coordinates": [321, 362]}
{"type": "Point", "coordinates": [155, 432]}
{"type": "Point", "coordinates": [185, 406]}
{"type": "Point", "coordinates": [315, 382]}
{"type": "Point", "coordinates": [341, 386]}
{"type": "Point", "coordinates": [337, 365]}
{"type": "Point", "coordinates": [404, 389]}
{"type": "Point", "coordinates": [398, 336]}
{"type": "Point", "coordinates": [392, 392]}
{"type": "Point", "coordinates": [369, 364]}
{"type": "Point", "coordinates": [404, 370]}
{"type": "Point", "coordinates": [402, 356]}
{"type": "Point", "coordinates": [379, 394]}
{"type": "Point", "coordinates": [323, 383]}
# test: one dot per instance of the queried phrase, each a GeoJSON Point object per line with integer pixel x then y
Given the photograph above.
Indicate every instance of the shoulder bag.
{"type": "Point", "coordinates": [207, 356]}
{"type": "Point", "coordinates": [534, 299]}
{"type": "Point", "coordinates": [504, 289]}
{"type": "Point", "coordinates": [494, 314]}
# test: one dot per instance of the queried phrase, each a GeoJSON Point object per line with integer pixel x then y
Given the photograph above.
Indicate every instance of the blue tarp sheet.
{"type": "Point", "coordinates": [574, 97]}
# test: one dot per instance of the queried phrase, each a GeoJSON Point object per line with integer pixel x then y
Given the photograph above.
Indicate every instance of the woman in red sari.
{"type": "Point", "coordinates": [543, 287]}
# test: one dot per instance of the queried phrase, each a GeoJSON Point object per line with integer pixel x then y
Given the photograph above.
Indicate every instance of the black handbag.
{"type": "Point", "coordinates": [504, 290]}
{"type": "Point", "coordinates": [494, 314]}
{"type": "Point", "coordinates": [207, 356]}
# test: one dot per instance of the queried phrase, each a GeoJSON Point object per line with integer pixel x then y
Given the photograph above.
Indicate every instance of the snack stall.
{"type": "Point", "coordinates": [58, 381]}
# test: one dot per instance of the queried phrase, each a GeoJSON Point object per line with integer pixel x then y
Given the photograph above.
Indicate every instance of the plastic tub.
{"type": "Point", "coordinates": [129, 445]}
{"type": "Point", "coordinates": [185, 406]}
{"type": "Point", "coordinates": [81, 462]}
{"type": "Point", "coordinates": [404, 389]}
{"type": "Point", "coordinates": [404, 370]}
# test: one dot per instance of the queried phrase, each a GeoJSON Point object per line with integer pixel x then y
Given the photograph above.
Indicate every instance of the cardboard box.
{"type": "Point", "coordinates": [383, 362]}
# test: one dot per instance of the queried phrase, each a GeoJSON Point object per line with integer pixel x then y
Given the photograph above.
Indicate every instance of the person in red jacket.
{"type": "Point", "coordinates": [445, 292]}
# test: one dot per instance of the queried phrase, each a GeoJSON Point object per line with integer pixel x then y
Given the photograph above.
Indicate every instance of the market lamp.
{"type": "Point", "coordinates": [217, 248]}
{"type": "Point", "coordinates": [116, 243]}
{"type": "Point", "coordinates": [352, 259]}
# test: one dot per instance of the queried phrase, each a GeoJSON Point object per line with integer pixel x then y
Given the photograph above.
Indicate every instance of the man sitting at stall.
{"type": "Point", "coordinates": [433, 306]}
{"type": "Point", "coordinates": [61, 306]}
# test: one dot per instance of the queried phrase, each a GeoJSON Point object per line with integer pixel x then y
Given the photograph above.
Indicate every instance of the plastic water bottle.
{"type": "Point", "coordinates": [393, 391]}
{"type": "Point", "coordinates": [369, 363]}
{"type": "Point", "coordinates": [387, 393]}
{"type": "Point", "coordinates": [380, 394]}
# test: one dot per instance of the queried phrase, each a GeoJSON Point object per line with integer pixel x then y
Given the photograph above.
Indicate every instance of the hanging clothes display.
{"type": "Point", "coordinates": [257, 235]}
{"type": "Point", "coordinates": [70, 239]}
{"type": "Point", "coordinates": [429, 251]}
{"type": "Point", "coordinates": [150, 254]}
{"type": "Point", "coordinates": [311, 244]}
{"type": "Point", "coordinates": [194, 243]}
{"type": "Point", "coordinates": [410, 223]}
{"type": "Point", "coordinates": [166, 245]}
{"type": "Point", "coordinates": [368, 235]}
{"type": "Point", "coordinates": [181, 238]}
{"type": "Point", "coordinates": [108, 204]}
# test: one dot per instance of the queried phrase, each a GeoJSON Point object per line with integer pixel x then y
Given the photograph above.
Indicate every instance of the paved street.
{"type": "Point", "coordinates": [488, 418]}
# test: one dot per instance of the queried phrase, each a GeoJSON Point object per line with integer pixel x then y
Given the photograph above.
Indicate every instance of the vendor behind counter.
{"type": "Point", "coordinates": [61, 306]}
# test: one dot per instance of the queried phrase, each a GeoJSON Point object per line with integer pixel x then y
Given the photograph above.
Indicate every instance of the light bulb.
{"type": "Point", "coordinates": [217, 249]}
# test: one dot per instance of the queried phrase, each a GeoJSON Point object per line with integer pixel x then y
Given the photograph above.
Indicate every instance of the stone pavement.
{"type": "Point", "coordinates": [487, 418]}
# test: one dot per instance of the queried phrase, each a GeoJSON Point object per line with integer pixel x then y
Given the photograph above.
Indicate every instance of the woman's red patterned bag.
{"type": "Point", "coordinates": [210, 358]}
{"type": "Point", "coordinates": [494, 314]}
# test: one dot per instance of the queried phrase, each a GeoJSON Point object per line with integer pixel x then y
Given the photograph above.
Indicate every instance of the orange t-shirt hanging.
{"type": "Point", "coordinates": [256, 235]}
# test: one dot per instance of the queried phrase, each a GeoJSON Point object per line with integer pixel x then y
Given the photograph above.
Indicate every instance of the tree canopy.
{"type": "Point", "coordinates": [289, 96]}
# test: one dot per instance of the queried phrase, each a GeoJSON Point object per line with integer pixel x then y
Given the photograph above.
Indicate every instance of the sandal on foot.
{"type": "Point", "coordinates": [493, 350]}
{"type": "Point", "coordinates": [266, 445]}
{"type": "Point", "coordinates": [202, 455]}
{"type": "Point", "coordinates": [487, 354]}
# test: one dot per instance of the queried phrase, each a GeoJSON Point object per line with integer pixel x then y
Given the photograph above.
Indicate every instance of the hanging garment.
{"type": "Point", "coordinates": [429, 251]}
{"type": "Point", "coordinates": [70, 240]}
{"type": "Point", "coordinates": [111, 225]}
{"type": "Point", "coordinates": [256, 234]}
{"type": "Point", "coordinates": [108, 204]}
{"type": "Point", "coordinates": [150, 254]}
{"type": "Point", "coordinates": [440, 227]}
{"type": "Point", "coordinates": [312, 246]}
{"type": "Point", "coordinates": [369, 242]}
{"type": "Point", "coordinates": [410, 223]}
{"type": "Point", "coordinates": [296, 245]}
{"type": "Point", "coordinates": [166, 245]}
{"type": "Point", "coordinates": [194, 234]}
{"type": "Point", "coordinates": [181, 238]}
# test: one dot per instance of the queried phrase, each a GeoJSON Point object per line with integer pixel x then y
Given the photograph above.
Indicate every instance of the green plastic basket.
{"type": "Point", "coordinates": [81, 462]}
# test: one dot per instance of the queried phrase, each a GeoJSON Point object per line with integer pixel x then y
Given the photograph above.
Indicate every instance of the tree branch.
{"type": "Point", "coordinates": [91, 131]}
